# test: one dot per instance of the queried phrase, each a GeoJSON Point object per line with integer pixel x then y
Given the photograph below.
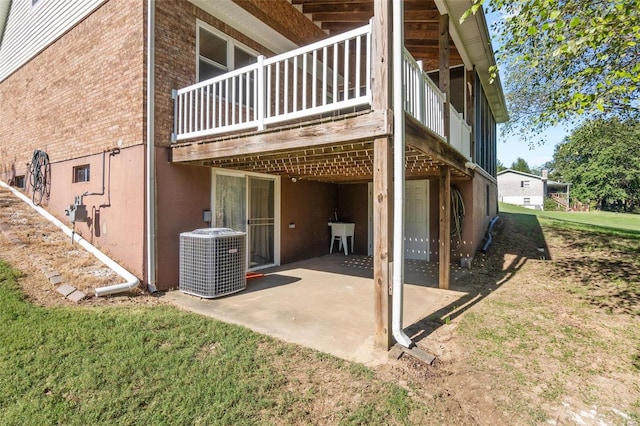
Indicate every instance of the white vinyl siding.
{"type": "Point", "coordinates": [30, 29]}
{"type": "Point", "coordinates": [533, 202]}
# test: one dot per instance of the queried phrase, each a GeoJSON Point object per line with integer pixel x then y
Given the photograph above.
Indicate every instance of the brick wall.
{"type": "Point", "coordinates": [80, 95]}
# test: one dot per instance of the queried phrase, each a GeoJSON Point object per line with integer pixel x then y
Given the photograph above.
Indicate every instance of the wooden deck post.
{"type": "Point", "coordinates": [382, 175]}
{"type": "Point", "coordinates": [444, 79]}
{"type": "Point", "coordinates": [382, 233]}
{"type": "Point", "coordinates": [444, 250]}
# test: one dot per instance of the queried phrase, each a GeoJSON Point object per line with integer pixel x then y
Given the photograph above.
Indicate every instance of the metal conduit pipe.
{"type": "Point", "coordinates": [131, 280]}
{"type": "Point", "coordinates": [398, 178]}
{"type": "Point", "coordinates": [114, 151]}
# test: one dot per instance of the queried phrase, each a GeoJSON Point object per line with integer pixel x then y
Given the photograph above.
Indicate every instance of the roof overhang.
{"type": "Point", "coordinates": [474, 44]}
{"type": "Point", "coordinates": [243, 21]}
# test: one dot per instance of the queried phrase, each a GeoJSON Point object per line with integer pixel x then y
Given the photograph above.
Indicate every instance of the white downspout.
{"type": "Point", "coordinates": [398, 177]}
{"type": "Point", "coordinates": [151, 161]}
{"type": "Point", "coordinates": [131, 280]}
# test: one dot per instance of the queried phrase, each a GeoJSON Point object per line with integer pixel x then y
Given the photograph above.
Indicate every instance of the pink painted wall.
{"type": "Point", "coordinates": [477, 217]}
{"type": "Point", "coordinates": [116, 219]}
{"type": "Point", "coordinates": [183, 193]}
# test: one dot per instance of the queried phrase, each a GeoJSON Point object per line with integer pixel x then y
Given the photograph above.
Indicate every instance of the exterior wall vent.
{"type": "Point", "coordinates": [212, 262]}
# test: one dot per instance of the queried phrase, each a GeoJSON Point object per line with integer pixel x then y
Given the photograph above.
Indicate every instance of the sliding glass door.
{"type": "Point", "coordinates": [248, 203]}
{"type": "Point", "coordinates": [261, 222]}
{"type": "Point", "coordinates": [230, 202]}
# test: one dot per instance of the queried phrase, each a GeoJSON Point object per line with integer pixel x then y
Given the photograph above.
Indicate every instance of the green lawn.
{"type": "Point", "coordinates": [625, 223]}
{"type": "Point", "coordinates": [160, 365]}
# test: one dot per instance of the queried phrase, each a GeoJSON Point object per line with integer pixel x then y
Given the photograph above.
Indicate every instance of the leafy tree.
{"type": "Point", "coordinates": [547, 165]}
{"type": "Point", "coordinates": [567, 60]}
{"type": "Point", "coordinates": [499, 166]}
{"type": "Point", "coordinates": [520, 165]}
{"type": "Point", "coordinates": [601, 159]}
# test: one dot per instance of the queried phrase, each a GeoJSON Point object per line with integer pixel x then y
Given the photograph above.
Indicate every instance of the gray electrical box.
{"type": "Point", "coordinates": [77, 212]}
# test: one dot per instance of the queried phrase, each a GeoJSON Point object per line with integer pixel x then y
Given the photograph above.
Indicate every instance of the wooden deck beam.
{"type": "Point", "coordinates": [420, 139]}
{"type": "Point", "coordinates": [364, 127]}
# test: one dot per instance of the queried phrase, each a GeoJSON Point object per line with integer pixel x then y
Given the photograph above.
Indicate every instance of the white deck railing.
{"type": "Point", "coordinates": [422, 98]}
{"type": "Point", "coordinates": [460, 136]}
{"type": "Point", "coordinates": [331, 75]}
{"type": "Point", "coordinates": [326, 76]}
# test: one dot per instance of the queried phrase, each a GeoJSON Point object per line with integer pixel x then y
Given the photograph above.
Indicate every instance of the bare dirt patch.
{"type": "Point", "coordinates": [32, 244]}
{"type": "Point", "coordinates": [551, 334]}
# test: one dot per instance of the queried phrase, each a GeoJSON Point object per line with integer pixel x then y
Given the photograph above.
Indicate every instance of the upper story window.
{"type": "Point", "coordinates": [218, 53]}
{"type": "Point", "coordinates": [525, 183]}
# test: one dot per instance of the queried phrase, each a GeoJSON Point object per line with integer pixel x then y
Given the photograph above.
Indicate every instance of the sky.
{"type": "Point", "coordinates": [512, 147]}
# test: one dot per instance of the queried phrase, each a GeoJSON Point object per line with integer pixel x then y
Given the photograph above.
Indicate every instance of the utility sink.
{"type": "Point", "coordinates": [341, 231]}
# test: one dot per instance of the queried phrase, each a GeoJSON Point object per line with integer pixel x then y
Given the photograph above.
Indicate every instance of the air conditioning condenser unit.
{"type": "Point", "coordinates": [212, 262]}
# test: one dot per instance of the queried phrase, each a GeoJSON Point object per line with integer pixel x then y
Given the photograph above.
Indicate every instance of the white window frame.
{"type": "Point", "coordinates": [526, 200]}
{"type": "Point", "coordinates": [526, 183]}
{"type": "Point", "coordinates": [81, 173]}
{"type": "Point", "coordinates": [231, 45]}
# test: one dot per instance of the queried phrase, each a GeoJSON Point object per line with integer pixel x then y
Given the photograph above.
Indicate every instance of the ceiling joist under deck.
{"type": "Point", "coordinates": [315, 153]}
{"type": "Point", "coordinates": [346, 163]}
{"type": "Point", "coordinates": [421, 24]}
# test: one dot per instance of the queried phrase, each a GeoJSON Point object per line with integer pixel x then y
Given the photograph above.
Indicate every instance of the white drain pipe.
{"type": "Point", "coordinates": [398, 178]}
{"type": "Point", "coordinates": [131, 280]}
{"type": "Point", "coordinates": [151, 153]}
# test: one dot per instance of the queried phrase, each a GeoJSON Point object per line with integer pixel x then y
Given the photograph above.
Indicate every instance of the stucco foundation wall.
{"type": "Point", "coordinates": [183, 193]}
{"type": "Point", "coordinates": [534, 202]}
{"type": "Point", "coordinates": [116, 219]}
{"type": "Point", "coordinates": [308, 205]}
{"type": "Point", "coordinates": [482, 188]}
{"type": "Point", "coordinates": [434, 217]}
{"type": "Point", "coordinates": [474, 194]}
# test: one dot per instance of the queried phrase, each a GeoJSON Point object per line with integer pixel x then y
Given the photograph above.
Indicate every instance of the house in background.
{"type": "Point", "coordinates": [268, 117]}
{"type": "Point", "coordinates": [530, 191]}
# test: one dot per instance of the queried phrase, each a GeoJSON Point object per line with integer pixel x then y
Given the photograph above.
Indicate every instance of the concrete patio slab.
{"type": "Point", "coordinates": [324, 303]}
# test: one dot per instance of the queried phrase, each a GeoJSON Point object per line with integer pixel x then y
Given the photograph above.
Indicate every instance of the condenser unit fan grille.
{"type": "Point", "coordinates": [212, 262]}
